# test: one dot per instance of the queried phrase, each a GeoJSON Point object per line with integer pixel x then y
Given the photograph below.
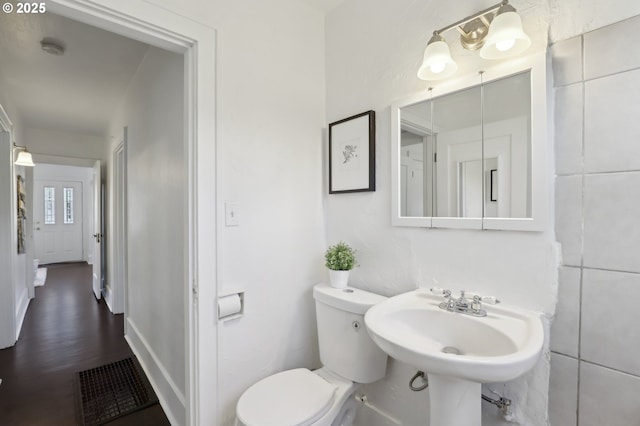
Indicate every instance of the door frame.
{"type": "Point", "coordinates": [119, 280]}
{"type": "Point", "coordinates": [8, 238]}
{"type": "Point", "coordinates": [163, 28]}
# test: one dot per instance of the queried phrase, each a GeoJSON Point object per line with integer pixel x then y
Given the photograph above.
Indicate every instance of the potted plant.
{"type": "Point", "coordinates": [340, 259]}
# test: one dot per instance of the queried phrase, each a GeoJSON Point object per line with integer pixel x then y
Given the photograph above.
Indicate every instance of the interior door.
{"type": "Point", "coordinates": [58, 221]}
{"type": "Point", "coordinates": [97, 230]}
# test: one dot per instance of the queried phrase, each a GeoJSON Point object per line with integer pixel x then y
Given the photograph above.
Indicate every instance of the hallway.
{"type": "Point", "coordinates": [65, 331]}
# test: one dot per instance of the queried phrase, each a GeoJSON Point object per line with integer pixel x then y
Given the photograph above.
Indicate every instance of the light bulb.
{"type": "Point", "coordinates": [438, 67]}
{"type": "Point", "coordinates": [504, 45]}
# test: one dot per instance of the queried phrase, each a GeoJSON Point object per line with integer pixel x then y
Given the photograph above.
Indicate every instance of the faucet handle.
{"type": "Point", "coordinates": [437, 290]}
{"type": "Point", "coordinates": [491, 300]}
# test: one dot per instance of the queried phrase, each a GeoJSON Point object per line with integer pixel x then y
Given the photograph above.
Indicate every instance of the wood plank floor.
{"type": "Point", "coordinates": [65, 331]}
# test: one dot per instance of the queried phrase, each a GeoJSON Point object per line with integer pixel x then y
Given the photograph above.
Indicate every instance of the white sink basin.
{"type": "Point", "coordinates": [457, 351]}
{"type": "Point", "coordinates": [497, 348]}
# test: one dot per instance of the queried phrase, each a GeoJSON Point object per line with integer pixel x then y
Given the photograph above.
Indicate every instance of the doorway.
{"type": "Point", "coordinates": [159, 27]}
{"type": "Point", "coordinates": [58, 221]}
{"type": "Point", "coordinates": [62, 213]}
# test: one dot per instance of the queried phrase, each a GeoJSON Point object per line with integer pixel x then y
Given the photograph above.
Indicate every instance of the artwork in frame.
{"type": "Point", "coordinates": [352, 151]}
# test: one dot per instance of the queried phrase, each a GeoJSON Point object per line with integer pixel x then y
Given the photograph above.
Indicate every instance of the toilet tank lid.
{"type": "Point", "coordinates": [348, 299]}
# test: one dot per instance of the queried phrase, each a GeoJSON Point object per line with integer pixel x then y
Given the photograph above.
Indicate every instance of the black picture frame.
{"type": "Point", "coordinates": [352, 154]}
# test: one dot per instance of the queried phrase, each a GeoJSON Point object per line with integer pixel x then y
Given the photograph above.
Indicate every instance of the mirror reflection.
{"type": "Point", "coordinates": [468, 153]}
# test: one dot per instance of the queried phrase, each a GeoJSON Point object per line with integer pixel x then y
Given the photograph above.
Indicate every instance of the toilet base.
{"type": "Point", "coordinates": [347, 414]}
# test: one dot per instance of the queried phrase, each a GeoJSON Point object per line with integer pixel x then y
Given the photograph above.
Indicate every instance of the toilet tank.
{"type": "Point", "coordinates": [345, 346]}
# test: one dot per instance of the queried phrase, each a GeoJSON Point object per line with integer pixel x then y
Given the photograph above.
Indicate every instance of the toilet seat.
{"type": "Point", "coordinates": [291, 398]}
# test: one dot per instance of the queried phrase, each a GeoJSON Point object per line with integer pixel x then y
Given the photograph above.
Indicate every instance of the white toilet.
{"type": "Point", "coordinates": [324, 397]}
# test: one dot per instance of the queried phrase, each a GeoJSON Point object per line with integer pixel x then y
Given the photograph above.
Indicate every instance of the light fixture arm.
{"type": "Point", "coordinates": [15, 146]}
{"type": "Point", "coordinates": [470, 18]}
{"type": "Point", "coordinates": [495, 31]}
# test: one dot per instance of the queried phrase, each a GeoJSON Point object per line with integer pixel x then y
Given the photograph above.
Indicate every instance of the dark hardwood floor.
{"type": "Point", "coordinates": [65, 331]}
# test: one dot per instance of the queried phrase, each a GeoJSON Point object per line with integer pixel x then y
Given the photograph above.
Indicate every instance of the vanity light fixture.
{"type": "Point", "coordinates": [496, 31]}
{"type": "Point", "coordinates": [24, 157]}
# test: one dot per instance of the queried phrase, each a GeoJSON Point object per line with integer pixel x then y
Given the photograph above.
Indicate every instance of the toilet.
{"type": "Point", "coordinates": [323, 397]}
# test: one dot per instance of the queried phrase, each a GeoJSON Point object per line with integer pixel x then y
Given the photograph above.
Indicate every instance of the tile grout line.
{"type": "Point", "coordinates": [583, 173]}
{"type": "Point", "coordinates": [582, 214]}
{"type": "Point", "coordinates": [606, 367]}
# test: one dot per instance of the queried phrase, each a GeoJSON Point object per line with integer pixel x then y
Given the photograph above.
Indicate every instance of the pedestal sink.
{"type": "Point", "coordinates": [458, 352]}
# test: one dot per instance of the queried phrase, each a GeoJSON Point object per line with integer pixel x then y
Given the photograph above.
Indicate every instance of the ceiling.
{"type": "Point", "coordinates": [324, 5]}
{"type": "Point", "coordinates": [77, 92]}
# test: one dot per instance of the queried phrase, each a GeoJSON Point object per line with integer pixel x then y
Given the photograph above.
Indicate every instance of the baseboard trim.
{"type": "Point", "coordinates": [107, 295]}
{"type": "Point", "coordinates": [171, 399]}
{"type": "Point", "coordinates": [21, 312]}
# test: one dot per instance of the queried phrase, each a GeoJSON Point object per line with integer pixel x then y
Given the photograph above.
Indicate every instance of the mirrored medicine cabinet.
{"type": "Point", "coordinates": [472, 153]}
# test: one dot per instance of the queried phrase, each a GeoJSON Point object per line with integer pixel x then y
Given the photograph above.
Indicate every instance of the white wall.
{"type": "Point", "coordinates": [271, 100]}
{"type": "Point", "coordinates": [7, 249]}
{"type": "Point", "coordinates": [373, 51]}
{"type": "Point", "coordinates": [43, 142]}
{"type": "Point", "coordinates": [155, 316]}
{"type": "Point", "coordinates": [13, 266]}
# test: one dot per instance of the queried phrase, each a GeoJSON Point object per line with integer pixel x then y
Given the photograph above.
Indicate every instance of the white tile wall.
{"type": "Point", "coordinates": [608, 397]}
{"type": "Point", "coordinates": [612, 127]}
{"type": "Point", "coordinates": [569, 218]}
{"type": "Point", "coordinates": [567, 61]}
{"type": "Point", "coordinates": [606, 52]}
{"type": "Point", "coordinates": [568, 129]}
{"type": "Point", "coordinates": [565, 326]}
{"type": "Point", "coordinates": [598, 230]}
{"type": "Point", "coordinates": [611, 214]}
{"type": "Point", "coordinates": [610, 332]}
{"type": "Point", "coordinates": [563, 391]}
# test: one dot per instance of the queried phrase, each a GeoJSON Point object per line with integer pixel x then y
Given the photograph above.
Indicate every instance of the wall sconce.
{"type": "Point", "coordinates": [24, 157]}
{"type": "Point", "coordinates": [496, 31]}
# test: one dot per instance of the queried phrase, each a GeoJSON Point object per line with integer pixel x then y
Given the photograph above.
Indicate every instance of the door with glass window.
{"type": "Point", "coordinates": [57, 220]}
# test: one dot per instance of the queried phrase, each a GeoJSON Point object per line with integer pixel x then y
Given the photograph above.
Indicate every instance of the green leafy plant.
{"type": "Point", "coordinates": [340, 257]}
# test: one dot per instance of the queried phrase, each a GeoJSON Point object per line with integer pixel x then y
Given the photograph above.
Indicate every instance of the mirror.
{"type": "Point", "coordinates": [466, 157]}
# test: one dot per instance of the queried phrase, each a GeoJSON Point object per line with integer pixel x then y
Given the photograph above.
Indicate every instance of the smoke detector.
{"type": "Point", "coordinates": [52, 46]}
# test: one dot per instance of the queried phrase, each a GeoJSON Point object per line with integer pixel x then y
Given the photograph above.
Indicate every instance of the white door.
{"type": "Point", "coordinates": [58, 221]}
{"type": "Point", "coordinates": [97, 230]}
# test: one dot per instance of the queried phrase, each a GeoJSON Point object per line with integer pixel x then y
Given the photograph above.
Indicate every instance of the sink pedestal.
{"type": "Point", "coordinates": [454, 402]}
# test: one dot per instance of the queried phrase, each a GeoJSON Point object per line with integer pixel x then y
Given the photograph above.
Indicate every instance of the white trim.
{"type": "Point", "coordinates": [8, 236]}
{"type": "Point", "coordinates": [540, 148]}
{"type": "Point", "coordinates": [159, 27]}
{"type": "Point", "coordinates": [118, 282]}
{"type": "Point", "coordinates": [21, 312]}
{"type": "Point", "coordinates": [171, 399]}
{"type": "Point", "coordinates": [107, 295]}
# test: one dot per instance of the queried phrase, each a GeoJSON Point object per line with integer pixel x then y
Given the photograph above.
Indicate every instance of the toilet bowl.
{"type": "Point", "coordinates": [323, 397]}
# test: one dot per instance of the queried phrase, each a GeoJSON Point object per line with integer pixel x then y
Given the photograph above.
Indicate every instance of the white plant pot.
{"type": "Point", "coordinates": [338, 279]}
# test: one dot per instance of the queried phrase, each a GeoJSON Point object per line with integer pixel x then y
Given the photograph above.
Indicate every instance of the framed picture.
{"type": "Point", "coordinates": [352, 152]}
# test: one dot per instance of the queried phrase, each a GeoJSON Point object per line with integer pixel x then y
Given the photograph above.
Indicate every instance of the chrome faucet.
{"type": "Point", "coordinates": [469, 304]}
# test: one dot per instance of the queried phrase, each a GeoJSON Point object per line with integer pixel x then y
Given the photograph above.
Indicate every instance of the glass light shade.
{"type": "Point", "coordinates": [437, 62]}
{"type": "Point", "coordinates": [505, 38]}
{"type": "Point", "coordinates": [24, 159]}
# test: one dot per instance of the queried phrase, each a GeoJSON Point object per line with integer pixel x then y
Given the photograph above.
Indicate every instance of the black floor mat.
{"type": "Point", "coordinates": [111, 391]}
